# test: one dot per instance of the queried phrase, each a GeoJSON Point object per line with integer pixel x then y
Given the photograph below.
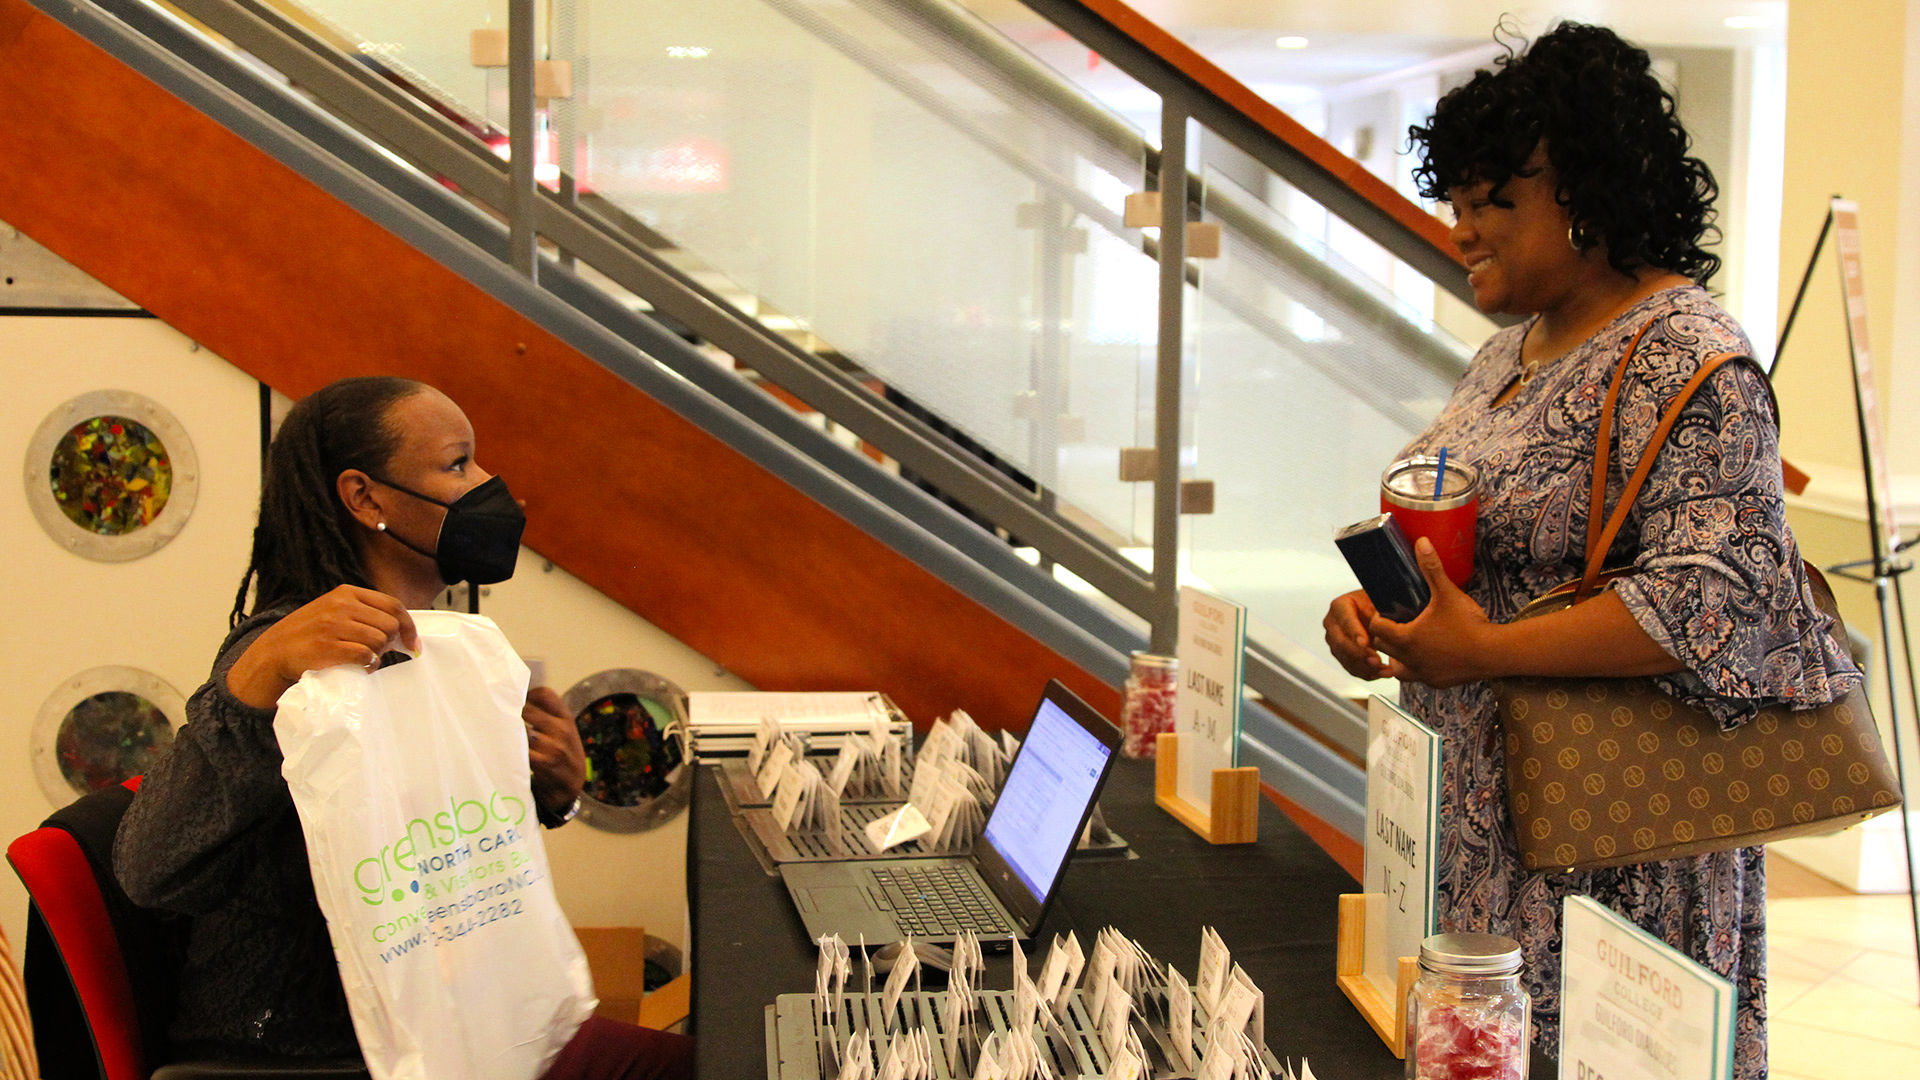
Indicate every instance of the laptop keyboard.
{"type": "Point", "coordinates": [930, 901]}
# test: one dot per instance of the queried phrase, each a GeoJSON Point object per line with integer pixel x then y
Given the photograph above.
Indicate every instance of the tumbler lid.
{"type": "Point", "coordinates": [1409, 483]}
{"type": "Point", "coordinates": [1471, 954]}
{"type": "Point", "coordinates": [1144, 659]}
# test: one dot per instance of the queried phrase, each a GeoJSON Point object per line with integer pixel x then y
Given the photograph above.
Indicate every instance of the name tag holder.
{"type": "Point", "coordinates": [1378, 948]}
{"type": "Point", "coordinates": [1207, 792]}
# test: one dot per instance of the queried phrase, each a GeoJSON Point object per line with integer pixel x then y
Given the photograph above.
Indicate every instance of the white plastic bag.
{"type": "Point", "coordinates": [413, 791]}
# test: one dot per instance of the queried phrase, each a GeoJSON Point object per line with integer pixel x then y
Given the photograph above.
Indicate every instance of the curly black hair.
{"type": "Point", "coordinates": [302, 542]}
{"type": "Point", "coordinates": [1611, 134]}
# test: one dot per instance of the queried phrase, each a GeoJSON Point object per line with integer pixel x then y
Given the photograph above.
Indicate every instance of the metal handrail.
{"type": "Point", "coordinates": [371, 104]}
{"type": "Point", "coordinates": [1171, 68]}
{"type": "Point", "coordinates": [1410, 243]}
{"type": "Point", "coordinates": [365, 102]}
{"type": "Point", "coordinates": [1335, 292]}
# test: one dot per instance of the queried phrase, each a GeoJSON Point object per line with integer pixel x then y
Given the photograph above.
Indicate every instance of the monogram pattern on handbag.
{"type": "Point", "coordinates": [1609, 771]}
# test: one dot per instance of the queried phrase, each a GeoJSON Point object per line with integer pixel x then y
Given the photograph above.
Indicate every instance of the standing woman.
{"type": "Point", "coordinates": [371, 505]}
{"type": "Point", "coordinates": [1577, 206]}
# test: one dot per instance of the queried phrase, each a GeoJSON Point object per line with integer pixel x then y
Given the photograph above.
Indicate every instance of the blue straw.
{"type": "Point", "coordinates": [1440, 473]}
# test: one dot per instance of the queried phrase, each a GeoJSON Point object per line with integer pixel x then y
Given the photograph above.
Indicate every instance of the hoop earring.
{"type": "Point", "coordinates": [1574, 239]}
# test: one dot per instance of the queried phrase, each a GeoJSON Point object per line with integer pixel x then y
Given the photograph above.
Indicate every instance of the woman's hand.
{"type": "Point", "coordinates": [1449, 643]}
{"type": "Point", "coordinates": [1347, 637]}
{"type": "Point", "coordinates": [553, 749]}
{"type": "Point", "coordinates": [349, 625]}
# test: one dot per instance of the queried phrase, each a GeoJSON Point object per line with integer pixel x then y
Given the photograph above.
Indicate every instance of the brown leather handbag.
{"type": "Point", "coordinates": [1610, 771]}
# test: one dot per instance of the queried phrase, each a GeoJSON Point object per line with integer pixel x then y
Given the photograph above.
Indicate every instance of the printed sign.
{"type": "Point", "coordinates": [1633, 1006]}
{"type": "Point", "coordinates": [1211, 650]}
{"type": "Point", "coordinates": [1853, 290]}
{"type": "Point", "coordinates": [1403, 825]}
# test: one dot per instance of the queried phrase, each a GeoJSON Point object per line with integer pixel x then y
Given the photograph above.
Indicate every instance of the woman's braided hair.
{"type": "Point", "coordinates": [1611, 133]}
{"type": "Point", "coordinates": [302, 543]}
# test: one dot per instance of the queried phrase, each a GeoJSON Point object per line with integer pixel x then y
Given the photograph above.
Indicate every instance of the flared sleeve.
{"type": "Point", "coordinates": [1721, 585]}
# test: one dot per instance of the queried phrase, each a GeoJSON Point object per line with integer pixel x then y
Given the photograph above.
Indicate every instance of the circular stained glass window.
{"type": "Point", "coordinates": [110, 737]}
{"type": "Point", "coordinates": [111, 475]}
{"type": "Point", "coordinates": [629, 756]}
{"type": "Point", "coordinates": [633, 725]}
{"type": "Point", "coordinates": [103, 726]}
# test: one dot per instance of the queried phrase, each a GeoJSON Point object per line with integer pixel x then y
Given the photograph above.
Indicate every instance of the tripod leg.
{"type": "Point", "coordinates": [1882, 585]}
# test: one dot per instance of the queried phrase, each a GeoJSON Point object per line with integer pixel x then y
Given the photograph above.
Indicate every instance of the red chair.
{"type": "Point", "coordinates": [108, 947]}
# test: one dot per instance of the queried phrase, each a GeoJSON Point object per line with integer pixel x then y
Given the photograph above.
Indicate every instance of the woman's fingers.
{"type": "Point", "coordinates": [1388, 636]}
{"type": "Point", "coordinates": [384, 613]}
{"type": "Point", "coordinates": [558, 760]}
{"type": "Point", "coordinates": [1445, 645]}
{"type": "Point", "coordinates": [349, 625]}
{"type": "Point", "coordinates": [1431, 568]}
{"type": "Point", "coordinates": [408, 635]}
{"type": "Point", "coordinates": [1347, 636]}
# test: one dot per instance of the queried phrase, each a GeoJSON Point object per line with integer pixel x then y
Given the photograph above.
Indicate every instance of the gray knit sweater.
{"type": "Point", "coordinates": [213, 834]}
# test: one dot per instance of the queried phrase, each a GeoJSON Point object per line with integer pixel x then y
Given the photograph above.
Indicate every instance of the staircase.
{"type": "Point", "coordinates": [309, 213]}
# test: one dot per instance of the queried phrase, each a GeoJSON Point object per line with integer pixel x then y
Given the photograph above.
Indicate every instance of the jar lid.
{"type": "Point", "coordinates": [1471, 954]}
{"type": "Point", "coordinates": [1152, 660]}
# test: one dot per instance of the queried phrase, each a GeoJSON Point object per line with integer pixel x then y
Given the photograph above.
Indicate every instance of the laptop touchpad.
{"type": "Point", "coordinates": [835, 898]}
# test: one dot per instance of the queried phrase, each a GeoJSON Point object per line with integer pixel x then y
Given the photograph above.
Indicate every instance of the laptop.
{"type": "Point", "coordinates": [1003, 887]}
{"type": "Point", "coordinates": [773, 845]}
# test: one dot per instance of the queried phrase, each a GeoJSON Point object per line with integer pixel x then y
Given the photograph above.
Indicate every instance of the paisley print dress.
{"type": "Point", "coordinates": [1720, 587]}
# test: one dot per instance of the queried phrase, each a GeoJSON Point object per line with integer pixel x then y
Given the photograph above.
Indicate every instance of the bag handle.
{"type": "Point", "coordinates": [1599, 540]}
{"type": "Point", "coordinates": [1603, 450]}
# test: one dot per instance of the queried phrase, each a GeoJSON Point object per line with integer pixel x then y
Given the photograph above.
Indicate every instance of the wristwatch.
{"type": "Point", "coordinates": [554, 820]}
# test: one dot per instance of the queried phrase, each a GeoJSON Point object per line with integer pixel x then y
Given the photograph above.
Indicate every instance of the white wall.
{"type": "Point", "coordinates": [1853, 128]}
{"type": "Point", "coordinates": [166, 613]}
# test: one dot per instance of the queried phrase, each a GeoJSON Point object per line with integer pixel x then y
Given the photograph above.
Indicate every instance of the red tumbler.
{"type": "Point", "coordinates": [1447, 519]}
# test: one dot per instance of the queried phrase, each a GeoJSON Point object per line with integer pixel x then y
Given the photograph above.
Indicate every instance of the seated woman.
{"type": "Point", "coordinates": [371, 505]}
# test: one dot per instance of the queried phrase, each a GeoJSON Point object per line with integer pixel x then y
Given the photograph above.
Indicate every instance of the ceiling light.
{"type": "Point", "coordinates": [1747, 22]}
{"type": "Point", "coordinates": [688, 52]}
{"type": "Point", "coordinates": [1291, 42]}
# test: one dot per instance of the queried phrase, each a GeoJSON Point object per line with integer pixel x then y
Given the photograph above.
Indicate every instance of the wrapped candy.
{"type": "Point", "coordinates": [1467, 1014]}
{"type": "Point", "coordinates": [1470, 1043]}
{"type": "Point", "coordinates": [1152, 689]}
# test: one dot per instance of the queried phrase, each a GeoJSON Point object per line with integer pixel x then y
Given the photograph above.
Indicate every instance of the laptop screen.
{"type": "Point", "coordinates": [1046, 798]}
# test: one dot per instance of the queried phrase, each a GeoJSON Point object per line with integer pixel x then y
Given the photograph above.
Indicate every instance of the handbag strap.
{"type": "Point", "coordinates": [1602, 450]}
{"type": "Point", "coordinates": [1599, 542]}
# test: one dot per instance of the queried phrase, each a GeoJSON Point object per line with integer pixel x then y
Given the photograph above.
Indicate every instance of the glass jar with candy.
{"type": "Point", "coordinates": [1153, 684]}
{"type": "Point", "coordinates": [1467, 1014]}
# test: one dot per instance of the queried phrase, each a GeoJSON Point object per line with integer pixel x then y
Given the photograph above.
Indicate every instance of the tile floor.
{"type": "Point", "coordinates": [1844, 993]}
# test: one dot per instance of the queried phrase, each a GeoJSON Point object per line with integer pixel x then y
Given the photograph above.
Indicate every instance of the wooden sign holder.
{"type": "Point", "coordinates": [1389, 1018]}
{"type": "Point", "coordinates": [1233, 818]}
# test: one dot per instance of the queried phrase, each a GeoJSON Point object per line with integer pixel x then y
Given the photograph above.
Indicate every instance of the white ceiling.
{"type": "Point", "coordinates": [1366, 39]}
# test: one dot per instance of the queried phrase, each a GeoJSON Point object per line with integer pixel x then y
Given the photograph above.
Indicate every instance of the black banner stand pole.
{"type": "Point", "coordinates": [1886, 580]}
{"type": "Point", "coordinates": [1906, 834]}
{"type": "Point", "coordinates": [1794, 311]}
{"type": "Point", "coordinates": [1885, 577]}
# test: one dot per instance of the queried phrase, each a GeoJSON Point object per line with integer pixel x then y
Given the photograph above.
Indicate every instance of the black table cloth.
{"type": "Point", "coordinates": [1274, 903]}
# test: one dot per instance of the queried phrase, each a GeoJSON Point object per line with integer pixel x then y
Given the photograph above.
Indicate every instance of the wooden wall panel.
{"type": "Point", "coordinates": [245, 256]}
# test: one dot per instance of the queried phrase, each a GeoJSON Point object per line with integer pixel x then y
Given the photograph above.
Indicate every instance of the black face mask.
{"type": "Point", "coordinates": [479, 539]}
